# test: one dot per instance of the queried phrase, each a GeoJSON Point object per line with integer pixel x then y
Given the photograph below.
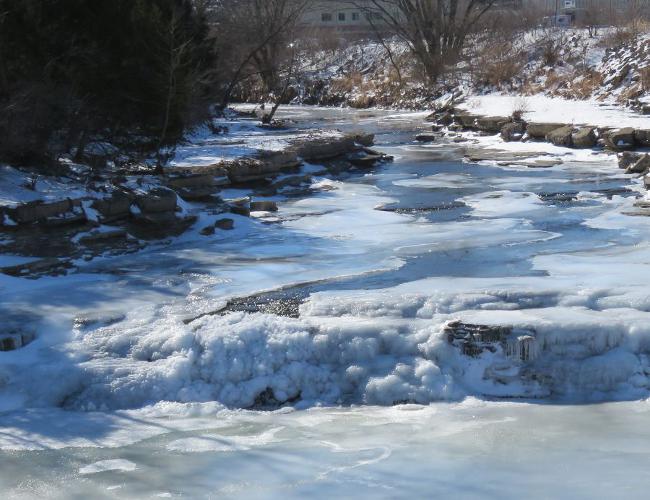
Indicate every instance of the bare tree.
{"type": "Point", "coordinates": [434, 30]}
{"type": "Point", "coordinates": [257, 34]}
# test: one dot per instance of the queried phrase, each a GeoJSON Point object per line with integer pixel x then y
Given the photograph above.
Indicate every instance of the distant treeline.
{"type": "Point", "coordinates": [134, 74]}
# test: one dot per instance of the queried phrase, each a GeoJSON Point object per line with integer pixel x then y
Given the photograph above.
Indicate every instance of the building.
{"type": "Point", "coordinates": [356, 16]}
{"type": "Point", "coordinates": [344, 16]}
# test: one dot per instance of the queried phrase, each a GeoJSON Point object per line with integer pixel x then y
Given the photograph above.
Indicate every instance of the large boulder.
{"type": "Point", "coordinates": [466, 120]}
{"type": "Point", "coordinates": [156, 201]}
{"type": "Point", "coordinates": [562, 136]}
{"type": "Point", "coordinates": [425, 137]}
{"type": "Point", "coordinates": [620, 139]}
{"type": "Point", "coordinates": [513, 131]}
{"type": "Point", "coordinates": [36, 211]}
{"type": "Point", "coordinates": [541, 130]}
{"type": "Point", "coordinates": [585, 137]}
{"type": "Point", "coordinates": [114, 207]}
{"type": "Point", "coordinates": [641, 166]}
{"type": "Point", "coordinates": [642, 137]}
{"type": "Point", "coordinates": [364, 139]}
{"type": "Point", "coordinates": [324, 148]}
{"type": "Point", "coordinates": [628, 158]}
{"type": "Point", "coordinates": [445, 118]}
{"type": "Point", "coordinates": [263, 206]}
{"type": "Point", "coordinates": [264, 165]}
{"type": "Point", "coordinates": [491, 124]}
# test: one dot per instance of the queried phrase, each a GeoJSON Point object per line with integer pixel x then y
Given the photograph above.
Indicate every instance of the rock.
{"type": "Point", "coordinates": [225, 224]}
{"type": "Point", "coordinates": [291, 180]}
{"type": "Point", "coordinates": [466, 120]}
{"type": "Point", "coordinates": [436, 128]}
{"type": "Point", "coordinates": [365, 160]}
{"type": "Point", "coordinates": [207, 231]}
{"type": "Point", "coordinates": [29, 213]}
{"type": "Point", "coordinates": [156, 201]}
{"type": "Point", "coordinates": [263, 206]}
{"type": "Point", "coordinates": [491, 124]}
{"type": "Point", "coordinates": [645, 109]}
{"type": "Point", "coordinates": [425, 137]}
{"type": "Point", "coordinates": [264, 165]}
{"type": "Point", "coordinates": [642, 137]}
{"type": "Point", "coordinates": [620, 139]}
{"type": "Point", "coordinates": [218, 172]}
{"type": "Point", "coordinates": [562, 136]}
{"type": "Point", "coordinates": [49, 266]}
{"type": "Point", "coordinates": [541, 130]}
{"type": "Point", "coordinates": [513, 131]}
{"type": "Point", "coordinates": [10, 341]}
{"type": "Point", "coordinates": [324, 148]}
{"type": "Point", "coordinates": [240, 206]}
{"type": "Point", "coordinates": [115, 206]}
{"type": "Point", "coordinates": [585, 138]}
{"type": "Point", "coordinates": [445, 119]}
{"type": "Point", "coordinates": [194, 187]}
{"type": "Point", "coordinates": [641, 166]}
{"type": "Point", "coordinates": [364, 139]}
{"type": "Point", "coordinates": [646, 181]}
{"type": "Point", "coordinates": [628, 158]}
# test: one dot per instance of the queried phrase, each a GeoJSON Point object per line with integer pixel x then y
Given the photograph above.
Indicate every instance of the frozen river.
{"type": "Point", "coordinates": [134, 388]}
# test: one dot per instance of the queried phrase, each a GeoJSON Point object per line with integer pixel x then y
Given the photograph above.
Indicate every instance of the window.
{"type": "Point", "coordinates": [342, 17]}
{"type": "Point", "coordinates": [355, 16]}
{"type": "Point", "coordinates": [326, 17]}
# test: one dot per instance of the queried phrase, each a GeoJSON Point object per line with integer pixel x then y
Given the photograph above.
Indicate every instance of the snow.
{"type": "Point", "coordinates": [548, 109]}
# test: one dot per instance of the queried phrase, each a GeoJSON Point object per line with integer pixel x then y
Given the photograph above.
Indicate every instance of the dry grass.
{"type": "Point", "coordinates": [497, 65]}
{"type": "Point", "coordinates": [644, 73]}
{"type": "Point", "coordinates": [585, 87]}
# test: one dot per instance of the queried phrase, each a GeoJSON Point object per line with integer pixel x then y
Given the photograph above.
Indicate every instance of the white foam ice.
{"type": "Point", "coordinates": [108, 465]}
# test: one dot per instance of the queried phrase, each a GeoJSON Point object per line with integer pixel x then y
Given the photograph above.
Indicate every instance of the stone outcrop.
{"type": "Point", "coordinates": [225, 224]}
{"type": "Point", "coordinates": [263, 206]}
{"type": "Point", "coordinates": [541, 130]}
{"type": "Point", "coordinates": [562, 136]}
{"type": "Point", "coordinates": [585, 137]}
{"type": "Point", "coordinates": [194, 187]}
{"type": "Point", "coordinates": [425, 137]}
{"type": "Point", "coordinates": [55, 213]}
{"type": "Point", "coordinates": [240, 206]}
{"type": "Point", "coordinates": [42, 267]}
{"type": "Point", "coordinates": [363, 139]}
{"type": "Point", "coordinates": [466, 120]}
{"type": "Point", "coordinates": [641, 166]}
{"type": "Point", "coordinates": [114, 207]}
{"type": "Point", "coordinates": [156, 201]}
{"type": "Point", "coordinates": [264, 165]}
{"type": "Point", "coordinates": [628, 158]}
{"type": "Point", "coordinates": [642, 137]}
{"type": "Point", "coordinates": [473, 340]}
{"type": "Point", "coordinates": [324, 148]}
{"type": "Point", "coordinates": [620, 139]}
{"type": "Point", "coordinates": [492, 124]}
{"type": "Point", "coordinates": [10, 341]}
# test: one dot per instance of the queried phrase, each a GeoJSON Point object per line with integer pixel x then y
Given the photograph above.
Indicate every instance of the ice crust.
{"type": "Point", "coordinates": [589, 307]}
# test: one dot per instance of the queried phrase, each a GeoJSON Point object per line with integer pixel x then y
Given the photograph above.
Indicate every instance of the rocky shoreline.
{"type": "Point", "coordinates": [630, 144]}
{"type": "Point", "coordinates": [120, 211]}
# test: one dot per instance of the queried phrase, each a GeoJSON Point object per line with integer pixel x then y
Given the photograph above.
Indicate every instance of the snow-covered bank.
{"type": "Point", "coordinates": [549, 109]}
